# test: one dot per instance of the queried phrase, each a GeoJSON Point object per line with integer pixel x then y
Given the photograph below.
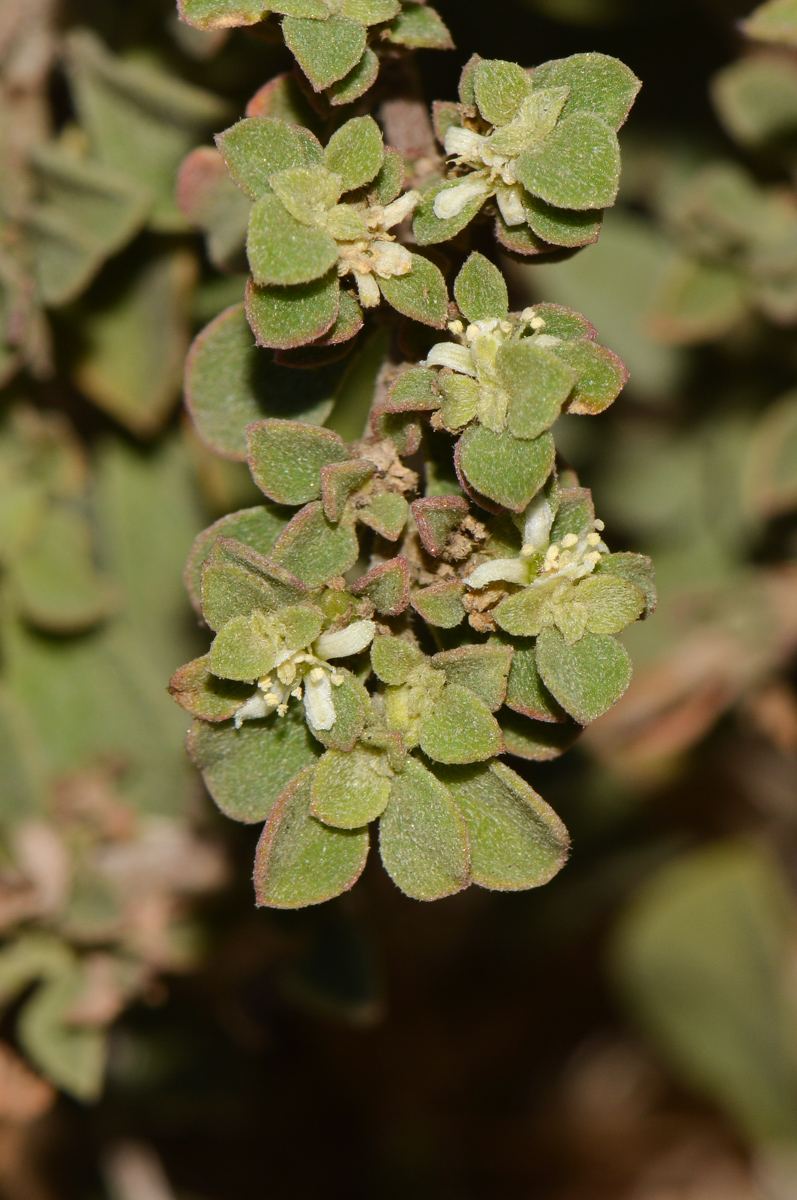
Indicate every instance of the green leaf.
{"type": "Point", "coordinates": [286, 457]}
{"type": "Point", "coordinates": [421, 28]}
{"type": "Point", "coordinates": [637, 569]}
{"type": "Point", "coordinates": [518, 239]}
{"type": "Point", "coordinates": [308, 193]}
{"type": "Point", "coordinates": [460, 728]}
{"type": "Point", "coordinates": [256, 148]}
{"type": "Point", "coordinates": [601, 376]}
{"type": "Point", "coordinates": [356, 152]}
{"type": "Point", "coordinates": [55, 581]}
{"type": "Point", "coordinates": [386, 514]}
{"type": "Point", "coordinates": [256, 527]}
{"type": "Point", "coordinates": [370, 12]}
{"type": "Point", "coordinates": [387, 586]}
{"type": "Point", "coordinates": [230, 383]}
{"type": "Point", "coordinates": [586, 678]}
{"type": "Point", "coordinates": [349, 790]}
{"type": "Point", "coordinates": [282, 97]}
{"type": "Point", "coordinates": [315, 550]}
{"type": "Point", "coordinates": [536, 741]}
{"type": "Point", "coordinates": [24, 792]}
{"type": "Point", "coordinates": [134, 336]}
{"type": "Point", "coordinates": [283, 251]}
{"type": "Point", "coordinates": [247, 647]}
{"type": "Point", "coordinates": [300, 860]}
{"type": "Point", "coordinates": [139, 119]}
{"type": "Point", "coordinates": [480, 289]}
{"type": "Point", "coordinates": [421, 295]}
{"type": "Point", "coordinates": [393, 659]}
{"type": "Point", "coordinates": [414, 390]}
{"type": "Point", "coordinates": [285, 586]}
{"type": "Point", "coordinates": [598, 84]}
{"type": "Point", "coordinates": [423, 838]}
{"type": "Point", "coordinates": [577, 166]}
{"type": "Point", "coordinates": [246, 769]}
{"type": "Point", "coordinates": [482, 669]}
{"type": "Point", "coordinates": [203, 694]}
{"type": "Point", "coordinates": [700, 957]}
{"type": "Point", "coordinates": [389, 182]}
{"type": "Point", "coordinates": [612, 603]}
{"type": "Point", "coordinates": [775, 21]}
{"type": "Point", "coordinates": [222, 14]}
{"type": "Point", "coordinates": [526, 693]}
{"type": "Point", "coordinates": [339, 480]}
{"type": "Point", "coordinates": [562, 226]}
{"type": "Point", "coordinates": [503, 469]}
{"type": "Point", "coordinates": [436, 518]}
{"type": "Point", "coordinates": [229, 590]}
{"type": "Point", "coordinates": [282, 318]}
{"type": "Point", "coordinates": [537, 382]}
{"type": "Point", "coordinates": [440, 604]}
{"type": "Point", "coordinates": [575, 514]}
{"type": "Point", "coordinates": [325, 50]}
{"type": "Point", "coordinates": [697, 301]}
{"type": "Point", "coordinates": [500, 88]}
{"type": "Point", "coordinates": [429, 229]}
{"type": "Point", "coordinates": [756, 99]}
{"type": "Point", "coordinates": [461, 399]}
{"type": "Point", "coordinates": [516, 840]}
{"type": "Point", "coordinates": [359, 79]}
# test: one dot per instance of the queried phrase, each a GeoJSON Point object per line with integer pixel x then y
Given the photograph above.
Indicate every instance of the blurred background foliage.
{"type": "Point", "coordinates": [628, 1032]}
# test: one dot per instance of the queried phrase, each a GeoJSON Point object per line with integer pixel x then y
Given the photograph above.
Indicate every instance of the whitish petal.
{"type": "Point", "coordinates": [451, 201]}
{"type": "Point", "coordinates": [449, 354]}
{"type": "Point", "coordinates": [368, 290]}
{"type": "Point", "coordinates": [537, 522]}
{"type": "Point", "coordinates": [510, 202]}
{"type": "Point", "coordinates": [400, 209]}
{"type": "Point", "coordinates": [391, 258]}
{"type": "Point", "coordinates": [351, 640]}
{"type": "Point", "coordinates": [318, 703]}
{"type": "Point", "coordinates": [253, 709]}
{"type": "Point", "coordinates": [509, 570]}
{"type": "Point", "coordinates": [463, 142]}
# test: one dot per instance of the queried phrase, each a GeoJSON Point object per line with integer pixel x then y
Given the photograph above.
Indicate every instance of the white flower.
{"type": "Point", "coordinates": [451, 201]}
{"type": "Point", "coordinates": [306, 675]}
{"type": "Point", "coordinates": [398, 210]}
{"type": "Point", "coordinates": [463, 143]}
{"type": "Point", "coordinates": [450, 354]}
{"type": "Point", "coordinates": [390, 258]}
{"type": "Point", "coordinates": [510, 204]}
{"type": "Point", "coordinates": [509, 570]}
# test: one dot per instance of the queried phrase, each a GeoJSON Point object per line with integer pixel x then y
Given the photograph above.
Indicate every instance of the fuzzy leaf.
{"type": "Point", "coordinates": [325, 50]}
{"type": "Point", "coordinates": [393, 658]}
{"type": "Point", "coordinates": [612, 603]}
{"type": "Point", "coordinates": [349, 790]}
{"type": "Point", "coordinates": [286, 457]}
{"type": "Point", "coordinates": [256, 527]}
{"type": "Point", "coordinates": [390, 180]}
{"type": "Point", "coordinates": [247, 647]}
{"type": "Point", "coordinates": [386, 514]}
{"type": "Point", "coordinates": [423, 838]}
{"type": "Point", "coordinates": [562, 226]}
{"type": "Point", "coordinates": [637, 569]}
{"type": "Point", "coordinates": [538, 384]}
{"type": "Point", "coordinates": [526, 693]}
{"type": "Point", "coordinates": [586, 678]}
{"type": "Point", "coordinates": [203, 694]}
{"type": "Point", "coordinates": [577, 166]}
{"type": "Point", "coordinates": [503, 469]}
{"type": "Point", "coordinates": [575, 514]}
{"type": "Point", "coordinates": [440, 604]}
{"type": "Point", "coordinates": [300, 860]}
{"type": "Point", "coordinates": [246, 769]}
{"type": "Point", "coordinates": [482, 669]}
{"type": "Point", "coordinates": [315, 550]}
{"type": "Point", "coordinates": [601, 376]}
{"type": "Point", "coordinates": [413, 391]}
{"type": "Point", "coordinates": [55, 581]}
{"type": "Point", "coordinates": [421, 294]}
{"type": "Point", "coordinates": [230, 383]}
{"type": "Point", "coordinates": [283, 251]}
{"type": "Point", "coordinates": [598, 84]}
{"type": "Point", "coordinates": [500, 88]}
{"type": "Point", "coordinates": [480, 289]}
{"type": "Point", "coordinates": [72, 1056]}
{"type": "Point", "coordinates": [229, 590]}
{"type": "Point", "coordinates": [516, 840]}
{"type": "Point", "coordinates": [436, 518]}
{"type": "Point", "coordinates": [256, 148]}
{"type": "Point", "coordinates": [209, 199]}
{"type": "Point", "coordinates": [360, 78]}
{"type": "Point", "coordinates": [356, 152]}
{"type": "Point", "coordinates": [387, 586]}
{"type": "Point", "coordinates": [222, 14]}
{"type": "Point", "coordinates": [285, 586]}
{"type": "Point", "coordinates": [282, 318]}
{"type": "Point", "coordinates": [460, 728]}
{"type": "Point", "coordinates": [536, 741]}
{"type": "Point", "coordinates": [421, 28]}
{"type": "Point", "coordinates": [339, 480]}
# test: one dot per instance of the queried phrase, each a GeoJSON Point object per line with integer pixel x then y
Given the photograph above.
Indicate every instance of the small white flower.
{"type": "Point", "coordinates": [368, 290]}
{"type": "Point", "coordinates": [450, 354]}
{"type": "Point", "coordinates": [351, 640]}
{"type": "Point", "coordinates": [451, 201]}
{"type": "Point", "coordinates": [318, 703]}
{"type": "Point", "coordinates": [399, 210]}
{"type": "Point", "coordinates": [510, 204]}
{"type": "Point", "coordinates": [463, 143]}
{"type": "Point", "coordinates": [390, 258]}
{"type": "Point", "coordinates": [508, 570]}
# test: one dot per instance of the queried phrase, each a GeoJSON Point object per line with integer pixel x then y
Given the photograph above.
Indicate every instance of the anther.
{"type": "Point", "coordinates": [569, 540]}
